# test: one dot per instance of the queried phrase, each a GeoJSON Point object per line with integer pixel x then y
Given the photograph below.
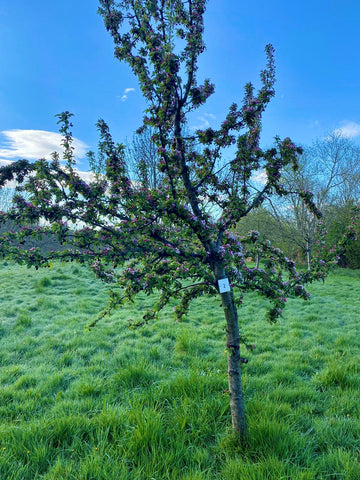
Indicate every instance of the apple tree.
{"type": "Point", "coordinates": [161, 238]}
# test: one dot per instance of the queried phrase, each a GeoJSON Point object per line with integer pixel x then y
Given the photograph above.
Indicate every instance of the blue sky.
{"type": "Point", "coordinates": [56, 55]}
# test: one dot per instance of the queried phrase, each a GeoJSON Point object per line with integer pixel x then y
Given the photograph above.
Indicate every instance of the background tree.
{"type": "Point", "coordinates": [163, 237]}
{"type": "Point", "coordinates": [337, 166]}
{"type": "Point", "coordinates": [261, 220]}
{"type": "Point", "coordinates": [141, 158]}
{"type": "Point", "coordinates": [336, 218]}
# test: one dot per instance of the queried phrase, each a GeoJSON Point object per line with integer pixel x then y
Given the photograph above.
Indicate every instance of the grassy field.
{"type": "Point", "coordinates": [149, 404]}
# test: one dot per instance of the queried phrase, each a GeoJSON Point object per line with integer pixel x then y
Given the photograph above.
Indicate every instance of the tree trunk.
{"type": "Point", "coordinates": [308, 254]}
{"type": "Point", "coordinates": [234, 360]}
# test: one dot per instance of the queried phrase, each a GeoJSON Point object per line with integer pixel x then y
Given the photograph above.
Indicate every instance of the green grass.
{"type": "Point", "coordinates": [150, 403]}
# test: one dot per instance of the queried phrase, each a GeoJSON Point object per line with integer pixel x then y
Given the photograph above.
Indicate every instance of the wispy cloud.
{"type": "Point", "coordinates": [35, 144]}
{"type": "Point", "coordinates": [203, 121]}
{"type": "Point", "coordinates": [313, 123]}
{"type": "Point", "coordinates": [125, 94]}
{"type": "Point", "coordinates": [348, 129]}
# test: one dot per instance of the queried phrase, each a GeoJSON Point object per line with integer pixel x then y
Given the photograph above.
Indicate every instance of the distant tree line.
{"type": "Point", "coordinates": [329, 168]}
{"type": "Point", "coordinates": [46, 242]}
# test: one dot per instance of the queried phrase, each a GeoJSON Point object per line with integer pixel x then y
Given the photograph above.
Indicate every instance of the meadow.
{"type": "Point", "coordinates": [151, 403]}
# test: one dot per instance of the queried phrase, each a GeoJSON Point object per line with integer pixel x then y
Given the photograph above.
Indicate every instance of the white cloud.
{"type": "Point", "coordinates": [203, 121]}
{"type": "Point", "coordinates": [35, 144]}
{"type": "Point", "coordinates": [348, 130]}
{"type": "Point", "coordinates": [125, 94]}
{"type": "Point", "coordinates": [260, 177]}
{"type": "Point", "coordinates": [86, 176]}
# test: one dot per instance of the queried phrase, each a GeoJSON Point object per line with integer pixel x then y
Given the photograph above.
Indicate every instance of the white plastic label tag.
{"type": "Point", "coordinates": [224, 285]}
